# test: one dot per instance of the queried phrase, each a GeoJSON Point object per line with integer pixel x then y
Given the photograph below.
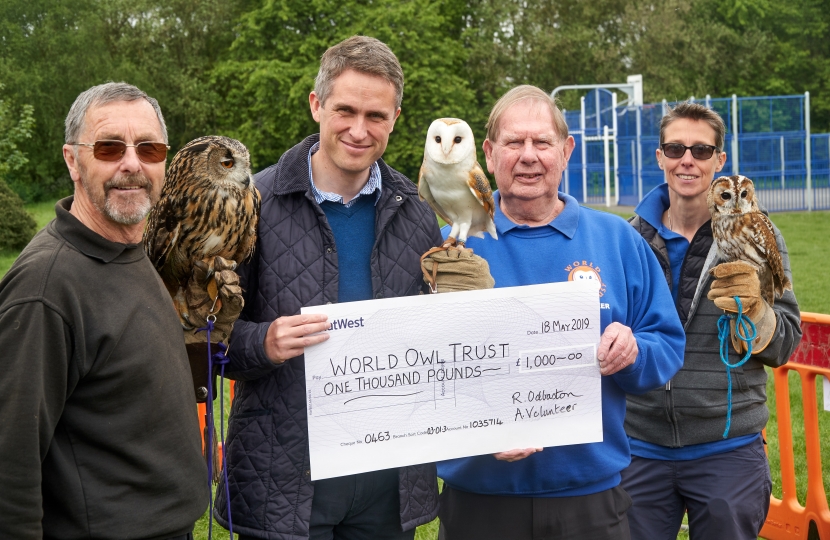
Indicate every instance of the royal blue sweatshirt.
{"type": "Point", "coordinates": [581, 243]}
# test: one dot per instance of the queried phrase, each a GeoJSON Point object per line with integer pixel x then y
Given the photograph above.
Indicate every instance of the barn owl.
{"type": "Point", "coordinates": [453, 183]}
{"type": "Point", "coordinates": [208, 208]}
{"type": "Point", "coordinates": [743, 233]}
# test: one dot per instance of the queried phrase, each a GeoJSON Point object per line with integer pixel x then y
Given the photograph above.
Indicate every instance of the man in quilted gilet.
{"type": "Point", "coordinates": [337, 225]}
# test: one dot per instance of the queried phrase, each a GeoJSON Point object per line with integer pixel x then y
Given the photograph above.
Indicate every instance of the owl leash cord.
{"type": "Point", "coordinates": [219, 359]}
{"type": "Point", "coordinates": [743, 327]}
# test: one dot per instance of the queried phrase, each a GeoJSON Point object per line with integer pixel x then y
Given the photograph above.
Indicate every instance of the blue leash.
{"type": "Point", "coordinates": [743, 327]}
{"type": "Point", "coordinates": [220, 359]}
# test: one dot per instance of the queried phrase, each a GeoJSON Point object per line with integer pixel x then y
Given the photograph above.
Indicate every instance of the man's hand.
{"type": "Point", "coordinates": [213, 289]}
{"type": "Point", "coordinates": [516, 455]}
{"type": "Point", "coordinates": [288, 337]}
{"type": "Point", "coordinates": [617, 348]}
{"type": "Point", "coordinates": [741, 279]}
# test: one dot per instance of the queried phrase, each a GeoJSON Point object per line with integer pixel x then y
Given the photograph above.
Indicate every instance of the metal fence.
{"type": "Point", "coordinates": [614, 161]}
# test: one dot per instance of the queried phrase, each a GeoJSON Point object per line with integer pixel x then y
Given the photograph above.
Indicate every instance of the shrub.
{"type": "Point", "coordinates": [17, 227]}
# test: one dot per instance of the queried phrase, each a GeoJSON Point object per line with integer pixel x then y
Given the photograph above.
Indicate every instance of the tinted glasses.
{"type": "Point", "coordinates": [699, 151]}
{"type": "Point", "coordinates": [148, 152]}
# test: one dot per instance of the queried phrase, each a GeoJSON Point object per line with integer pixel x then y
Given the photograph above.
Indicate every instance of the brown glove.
{"type": "Point", "coordinates": [213, 289]}
{"type": "Point", "coordinates": [455, 269]}
{"type": "Point", "coordinates": [741, 279]}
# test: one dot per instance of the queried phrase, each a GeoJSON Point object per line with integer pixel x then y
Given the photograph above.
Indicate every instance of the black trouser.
{"type": "Point", "coordinates": [726, 495]}
{"type": "Point", "coordinates": [357, 507]}
{"type": "Point", "coordinates": [470, 516]}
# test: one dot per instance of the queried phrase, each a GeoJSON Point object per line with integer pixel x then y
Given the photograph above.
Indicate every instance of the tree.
{"type": "Point", "coordinates": [267, 78]}
{"type": "Point", "coordinates": [16, 226]}
{"type": "Point", "coordinates": [52, 51]}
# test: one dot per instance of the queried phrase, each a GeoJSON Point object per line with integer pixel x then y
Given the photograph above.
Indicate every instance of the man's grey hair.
{"type": "Point", "coordinates": [364, 55]}
{"type": "Point", "coordinates": [101, 95]}
{"type": "Point", "coordinates": [521, 94]}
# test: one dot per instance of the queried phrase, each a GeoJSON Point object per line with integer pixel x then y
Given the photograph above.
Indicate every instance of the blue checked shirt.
{"type": "Point", "coordinates": [372, 186]}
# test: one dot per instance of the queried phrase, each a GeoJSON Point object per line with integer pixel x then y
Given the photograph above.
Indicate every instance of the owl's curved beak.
{"type": "Point", "coordinates": [248, 181]}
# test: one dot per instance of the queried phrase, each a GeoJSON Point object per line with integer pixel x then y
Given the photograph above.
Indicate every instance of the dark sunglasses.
{"type": "Point", "coordinates": [699, 151]}
{"type": "Point", "coordinates": [148, 152]}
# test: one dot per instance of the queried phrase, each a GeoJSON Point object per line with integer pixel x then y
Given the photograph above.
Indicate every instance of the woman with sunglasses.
{"type": "Point", "coordinates": [682, 457]}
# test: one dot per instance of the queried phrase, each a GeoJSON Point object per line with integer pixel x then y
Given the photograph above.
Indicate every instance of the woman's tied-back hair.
{"type": "Point", "coordinates": [695, 111]}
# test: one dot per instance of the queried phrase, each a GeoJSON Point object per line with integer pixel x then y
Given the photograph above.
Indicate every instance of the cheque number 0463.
{"type": "Point", "coordinates": [377, 437]}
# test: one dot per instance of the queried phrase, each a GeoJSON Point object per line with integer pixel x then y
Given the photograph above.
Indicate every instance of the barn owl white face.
{"type": "Point", "coordinates": [450, 141]}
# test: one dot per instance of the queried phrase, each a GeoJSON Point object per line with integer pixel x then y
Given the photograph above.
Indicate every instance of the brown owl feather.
{"type": "Point", "coordinates": [209, 207]}
{"type": "Point", "coordinates": [743, 233]}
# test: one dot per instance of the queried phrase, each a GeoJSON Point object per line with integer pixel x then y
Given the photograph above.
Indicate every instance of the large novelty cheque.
{"type": "Point", "coordinates": [418, 379]}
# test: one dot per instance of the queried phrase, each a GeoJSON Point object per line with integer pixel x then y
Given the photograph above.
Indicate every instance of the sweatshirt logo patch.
{"type": "Point", "coordinates": [585, 271]}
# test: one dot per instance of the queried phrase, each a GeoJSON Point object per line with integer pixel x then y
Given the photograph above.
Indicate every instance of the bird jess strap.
{"type": "Point", "coordinates": [455, 269]}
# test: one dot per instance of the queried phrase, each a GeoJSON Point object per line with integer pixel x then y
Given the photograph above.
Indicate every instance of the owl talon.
{"type": "Point", "coordinates": [184, 319]}
{"type": "Point", "coordinates": [449, 242]}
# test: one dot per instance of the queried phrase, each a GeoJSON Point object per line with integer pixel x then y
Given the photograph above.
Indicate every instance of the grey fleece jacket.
{"type": "Point", "coordinates": [691, 408]}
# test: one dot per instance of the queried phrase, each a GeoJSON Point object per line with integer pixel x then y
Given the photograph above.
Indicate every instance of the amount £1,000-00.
{"type": "Point", "coordinates": [544, 360]}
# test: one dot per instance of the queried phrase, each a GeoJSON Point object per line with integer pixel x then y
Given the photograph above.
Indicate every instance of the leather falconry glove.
{"type": "Point", "coordinates": [207, 282]}
{"type": "Point", "coordinates": [741, 279]}
{"type": "Point", "coordinates": [455, 269]}
{"type": "Point", "coordinates": [213, 289]}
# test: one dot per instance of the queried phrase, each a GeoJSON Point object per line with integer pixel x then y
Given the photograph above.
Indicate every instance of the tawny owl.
{"type": "Point", "coordinates": [208, 208]}
{"type": "Point", "coordinates": [453, 183]}
{"type": "Point", "coordinates": [743, 233]}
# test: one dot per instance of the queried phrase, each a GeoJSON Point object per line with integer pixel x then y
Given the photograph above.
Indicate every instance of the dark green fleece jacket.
{"type": "Point", "coordinates": [99, 436]}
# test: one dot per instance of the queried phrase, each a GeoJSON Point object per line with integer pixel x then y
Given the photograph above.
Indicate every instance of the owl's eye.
{"type": "Point", "coordinates": [725, 195]}
{"type": "Point", "coordinates": [438, 139]}
{"type": "Point", "coordinates": [227, 163]}
{"type": "Point", "coordinates": [457, 140]}
{"type": "Point", "coordinates": [743, 194]}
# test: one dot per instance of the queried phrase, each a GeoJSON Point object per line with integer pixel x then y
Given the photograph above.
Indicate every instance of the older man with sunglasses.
{"type": "Point", "coordinates": [99, 436]}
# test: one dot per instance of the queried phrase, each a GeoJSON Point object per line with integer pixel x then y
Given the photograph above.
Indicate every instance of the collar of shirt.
{"type": "Point", "coordinates": [566, 222]}
{"type": "Point", "coordinates": [372, 186]}
{"type": "Point", "coordinates": [651, 210]}
{"type": "Point", "coordinates": [89, 242]}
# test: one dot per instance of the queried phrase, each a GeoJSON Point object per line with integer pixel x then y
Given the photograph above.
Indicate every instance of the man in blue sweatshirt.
{"type": "Point", "coordinates": [565, 492]}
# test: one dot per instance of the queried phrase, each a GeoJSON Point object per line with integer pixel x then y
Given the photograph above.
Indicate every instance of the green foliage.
{"type": "Point", "coordinates": [14, 128]}
{"type": "Point", "coordinates": [17, 227]}
{"type": "Point", "coordinates": [270, 71]}
{"type": "Point", "coordinates": [244, 68]}
{"type": "Point", "coordinates": [54, 50]}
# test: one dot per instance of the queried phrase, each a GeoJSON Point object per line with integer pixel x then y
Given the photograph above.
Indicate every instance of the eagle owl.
{"type": "Point", "coordinates": [453, 183]}
{"type": "Point", "coordinates": [208, 208]}
{"type": "Point", "coordinates": [743, 233]}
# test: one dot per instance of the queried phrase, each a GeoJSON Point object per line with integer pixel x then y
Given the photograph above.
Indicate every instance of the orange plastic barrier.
{"type": "Point", "coordinates": [787, 519]}
{"type": "Point", "coordinates": [202, 412]}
